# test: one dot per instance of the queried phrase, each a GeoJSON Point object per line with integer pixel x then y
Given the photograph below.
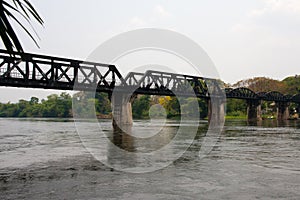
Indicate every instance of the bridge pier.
{"type": "Point", "coordinates": [121, 110]}
{"type": "Point", "coordinates": [283, 110]}
{"type": "Point", "coordinates": [216, 112]}
{"type": "Point", "coordinates": [254, 110]}
{"type": "Point", "coordinates": [297, 111]}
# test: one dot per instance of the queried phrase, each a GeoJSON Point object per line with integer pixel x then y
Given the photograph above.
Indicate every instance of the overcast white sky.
{"type": "Point", "coordinates": [244, 38]}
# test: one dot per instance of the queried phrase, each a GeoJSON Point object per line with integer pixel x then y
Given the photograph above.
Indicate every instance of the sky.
{"type": "Point", "coordinates": [244, 39]}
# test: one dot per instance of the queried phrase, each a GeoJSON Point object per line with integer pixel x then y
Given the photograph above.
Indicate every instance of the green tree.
{"type": "Point", "coordinates": [292, 84]}
{"type": "Point", "coordinates": [54, 106]}
{"type": "Point", "coordinates": [23, 108]}
{"type": "Point", "coordinates": [173, 107]}
{"type": "Point", "coordinates": [9, 110]}
{"type": "Point", "coordinates": [57, 106]}
{"type": "Point", "coordinates": [103, 105]}
{"type": "Point", "coordinates": [141, 106]}
{"type": "Point", "coordinates": [64, 105]}
{"type": "Point", "coordinates": [236, 107]}
{"type": "Point", "coordinates": [34, 100]}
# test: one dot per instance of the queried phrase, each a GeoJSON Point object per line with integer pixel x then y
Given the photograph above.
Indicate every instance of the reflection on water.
{"type": "Point", "coordinates": [45, 159]}
{"type": "Point", "coordinates": [125, 151]}
{"type": "Point", "coordinates": [127, 138]}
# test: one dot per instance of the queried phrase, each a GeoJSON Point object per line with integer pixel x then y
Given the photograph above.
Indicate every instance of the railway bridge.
{"type": "Point", "coordinates": [48, 72]}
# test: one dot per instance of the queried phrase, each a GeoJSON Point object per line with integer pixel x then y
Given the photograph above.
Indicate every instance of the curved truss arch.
{"type": "Point", "coordinates": [261, 94]}
{"type": "Point", "coordinates": [242, 92]}
{"type": "Point", "coordinates": [296, 98]}
{"type": "Point", "coordinates": [275, 96]}
{"type": "Point", "coordinates": [227, 90]}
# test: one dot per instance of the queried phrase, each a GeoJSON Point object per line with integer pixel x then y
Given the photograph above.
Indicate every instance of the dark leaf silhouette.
{"type": "Point", "coordinates": [11, 10]}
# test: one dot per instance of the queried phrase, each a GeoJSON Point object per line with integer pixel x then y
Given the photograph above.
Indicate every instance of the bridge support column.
{"type": "Point", "coordinates": [216, 112]}
{"type": "Point", "coordinates": [254, 110]}
{"type": "Point", "coordinates": [297, 111]}
{"type": "Point", "coordinates": [283, 110]}
{"type": "Point", "coordinates": [121, 111]}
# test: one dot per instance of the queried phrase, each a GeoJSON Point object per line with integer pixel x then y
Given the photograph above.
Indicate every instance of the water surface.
{"type": "Point", "coordinates": [45, 159]}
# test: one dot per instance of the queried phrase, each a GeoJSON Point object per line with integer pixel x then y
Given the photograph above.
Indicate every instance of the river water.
{"type": "Point", "coordinates": [46, 159]}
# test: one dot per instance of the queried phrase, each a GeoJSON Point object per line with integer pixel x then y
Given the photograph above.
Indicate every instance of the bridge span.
{"type": "Point", "coordinates": [48, 72]}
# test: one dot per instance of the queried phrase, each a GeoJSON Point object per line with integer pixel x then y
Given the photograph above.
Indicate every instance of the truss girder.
{"type": "Point", "coordinates": [241, 93]}
{"type": "Point", "coordinates": [38, 71]}
{"type": "Point", "coordinates": [48, 72]}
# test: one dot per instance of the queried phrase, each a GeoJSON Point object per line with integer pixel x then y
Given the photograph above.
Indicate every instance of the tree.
{"type": "Point", "coordinates": [172, 107]}
{"type": "Point", "coordinates": [262, 84]}
{"type": "Point", "coordinates": [34, 100]}
{"type": "Point", "coordinates": [103, 104]}
{"type": "Point", "coordinates": [23, 9]}
{"type": "Point", "coordinates": [140, 107]}
{"type": "Point", "coordinates": [236, 107]}
{"type": "Point", "coordinates": [293, 84]}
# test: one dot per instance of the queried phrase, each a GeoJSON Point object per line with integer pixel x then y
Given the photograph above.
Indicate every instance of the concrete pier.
{"type": "Point", "coordinates": [254, 110]}
{"type": "Point", "coordinates": [122, 110]}
{"type": "Point", "coordinates": [216, 112]}
{"type": "Point", "coordinates": [283, 110]}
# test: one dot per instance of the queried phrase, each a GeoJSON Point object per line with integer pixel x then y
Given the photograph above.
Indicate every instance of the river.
{"type": "Point", "coordinates": [46, 159]}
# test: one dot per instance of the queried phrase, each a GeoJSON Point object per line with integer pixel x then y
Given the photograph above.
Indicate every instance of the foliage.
{"type": "Point", "coordinates": [26, 11]}
{"type": "Point", "coordinates": [103, 105]}
{"type": "Point", "coordinates": [88, 103]}
{"type": "Point", "coordinates": [171, 105]}
{"type": "Point", "coordinates": [54, 106]}
{"type": "Point", "coordinates": [290, 85]}
{"type": "Point", "coordinates": [236, 107]}
{"type": "Point", "coordinates": [141, 106]}
{"type": "Point", "coordinates": [262, 84]}
{"type": "Point", "coordinates": [293, 84]}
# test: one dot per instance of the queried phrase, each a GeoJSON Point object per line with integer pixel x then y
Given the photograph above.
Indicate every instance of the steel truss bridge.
{"type": "Point", "coordinates": [48, 72]}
